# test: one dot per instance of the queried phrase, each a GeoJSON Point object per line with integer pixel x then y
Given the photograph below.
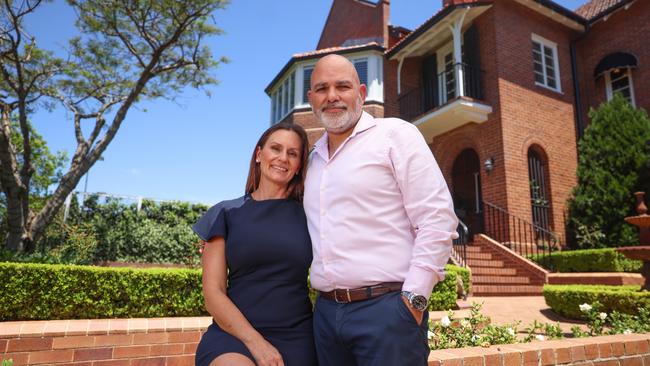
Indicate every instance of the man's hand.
{"type": "Point", "coordinates": [417, 315]}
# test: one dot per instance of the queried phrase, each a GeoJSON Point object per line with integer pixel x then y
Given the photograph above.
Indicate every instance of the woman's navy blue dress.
{"type": "Point", "coordinates": [268, 253]}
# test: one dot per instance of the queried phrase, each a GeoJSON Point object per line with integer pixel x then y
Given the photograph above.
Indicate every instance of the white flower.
{"type": "Point", "coordinates": [627, 331]}
{"type": "Point", "coordinates": [511, 331]}
{"type": "Point", "coordinates": [540, 337]}
{"type": "Point", "coordinates": [430, 335]}
{"type": "Point", "coordinates": [602, 316]}
{"type": "Point", "coordinates": [474, 338]}
{"type": "Point", "coordinates": [585, 307]}
{"type": "Point", "coordinates": [445, 322]}
{"type": "Point", "coordinates": [465, 323]}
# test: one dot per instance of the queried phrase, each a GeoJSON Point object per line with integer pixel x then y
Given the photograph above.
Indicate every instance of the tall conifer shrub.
{"type": "Point", "coordinates": [613, 162]}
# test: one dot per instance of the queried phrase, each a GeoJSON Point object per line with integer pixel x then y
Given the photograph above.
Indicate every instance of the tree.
{"type": "Point", "coordinates": [127, 51]}
{"type": "Point", "coordinates": [614, 157]}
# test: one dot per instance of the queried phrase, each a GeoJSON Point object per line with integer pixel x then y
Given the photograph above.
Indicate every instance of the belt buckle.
{"type": "Point", "coordinates": [347, 293]}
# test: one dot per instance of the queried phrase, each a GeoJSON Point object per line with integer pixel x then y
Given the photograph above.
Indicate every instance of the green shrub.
{"type": "Point", "coordinates": [444, 293]}
{"type": "Point", "coordinates": [566, 299]}
{"type": "Point", "coordinates": [589, 260]}
{"type": "Point", "coordinates": [42, 291]}
{"type": "Point", "coordinates": [613, 162]}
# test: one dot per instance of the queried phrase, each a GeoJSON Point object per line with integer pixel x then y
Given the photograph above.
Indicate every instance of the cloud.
{"type": "Point", "coordinates": [135, 172]}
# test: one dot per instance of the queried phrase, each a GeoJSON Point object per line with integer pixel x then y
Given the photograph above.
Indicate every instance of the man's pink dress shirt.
{"type": "Point", "coordinates": [378, 210]}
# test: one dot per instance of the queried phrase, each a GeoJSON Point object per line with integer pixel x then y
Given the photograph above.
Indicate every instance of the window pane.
{"type": "Point", "coordinates": [551, 83]}
{"type": "Point", "coordinates": [280, 102]}
{"type": "Point", "coordinates": [620, 84]}
{"type": "Point", "coordinates": [539, 78]}
{"type": "Point", "coordinates": [362, 70]}
{"type": "Point", "coordinates": [292, 91]}
{"type": "Point", "coordinates": [306, 83]}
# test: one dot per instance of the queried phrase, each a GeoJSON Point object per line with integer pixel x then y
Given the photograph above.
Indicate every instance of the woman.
{"type": "Point", "coordinates": [256, 259]}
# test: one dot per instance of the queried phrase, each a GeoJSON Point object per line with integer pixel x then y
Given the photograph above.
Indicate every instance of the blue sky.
{"type": "Point", "coordinates": [198, 148]}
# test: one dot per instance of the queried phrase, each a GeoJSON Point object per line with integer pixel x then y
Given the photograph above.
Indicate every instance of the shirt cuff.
{"type": "Point", "coordinates": [421, 281]}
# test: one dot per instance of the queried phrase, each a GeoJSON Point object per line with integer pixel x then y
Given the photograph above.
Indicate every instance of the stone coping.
{"type": "Point", "coordinates": [54, 328]}
{"type": "Point", "coordinates": [604, 350]}
{"type": "Point", "coordinates": [596, 278]}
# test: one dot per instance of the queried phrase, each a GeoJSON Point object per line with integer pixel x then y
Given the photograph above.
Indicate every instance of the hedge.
{"type": "Point", "coordinates": [46, 291]}
{"type": "Point", "coordinates": [589, 260]}
{"type": "Point", "coordinates": [51, 291]}
{"type": "Point", "coordinates": [566, 299]}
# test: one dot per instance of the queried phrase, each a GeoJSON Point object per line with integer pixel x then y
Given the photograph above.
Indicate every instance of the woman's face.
{"type": "Point", "coordinates": [280, 157]}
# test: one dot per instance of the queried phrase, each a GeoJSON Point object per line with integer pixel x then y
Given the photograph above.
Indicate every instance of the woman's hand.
{"type": "Point", "coordinates": [264, 353]}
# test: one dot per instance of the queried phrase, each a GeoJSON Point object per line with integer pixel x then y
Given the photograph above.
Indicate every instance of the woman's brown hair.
{"type": "Point", "coordinates": [296, 186]}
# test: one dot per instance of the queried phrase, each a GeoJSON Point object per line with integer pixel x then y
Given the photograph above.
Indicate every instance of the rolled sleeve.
{"type": "Point", "coordinates": [428, 205]}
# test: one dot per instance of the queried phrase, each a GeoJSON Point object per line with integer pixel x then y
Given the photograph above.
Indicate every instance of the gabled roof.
{"type": "Point", "coordinates": [595, 9]}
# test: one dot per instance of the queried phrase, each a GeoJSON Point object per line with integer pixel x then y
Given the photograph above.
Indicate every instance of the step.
{"type": "Point", "coordinates": [489, 280]}
{"type": "Point", "coordinates": [506, 290]}
{"type": "Point", "coordinates": [473, 248]}
{"type": "Point", "coordinates": [479, 255]}
{"type": "Point", "coordinates": [494, 271]}
{"type": "Point", "coordinates": [484, 263]}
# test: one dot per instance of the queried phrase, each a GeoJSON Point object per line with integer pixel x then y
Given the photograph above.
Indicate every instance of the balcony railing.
{"type": "Point", "coordinates": [437, 92]}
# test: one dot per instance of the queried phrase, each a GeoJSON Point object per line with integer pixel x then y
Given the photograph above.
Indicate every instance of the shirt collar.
{"type": "Point", "coordinates": [366, 121]}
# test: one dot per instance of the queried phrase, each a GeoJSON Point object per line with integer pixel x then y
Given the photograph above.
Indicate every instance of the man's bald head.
{"type": "Point", "coordinates": [336, 64]}
{"type": "Point", "coordinates": [336, 95]}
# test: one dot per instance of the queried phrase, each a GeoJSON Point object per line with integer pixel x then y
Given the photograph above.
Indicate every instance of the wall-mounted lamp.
{"type": "Point", "coordinates": [488, 164]}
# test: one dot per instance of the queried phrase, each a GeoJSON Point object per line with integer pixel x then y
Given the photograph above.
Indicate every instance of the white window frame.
{"type": "Point", "coordinates": [610, 91]}
{"type": "Point", "coordinates": [556, 67]}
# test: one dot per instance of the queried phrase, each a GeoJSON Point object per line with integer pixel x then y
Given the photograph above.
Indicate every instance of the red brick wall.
{"type": "Point", "coordinates": [533, 115]}
{"type": "Point", "coordinates": [619, 350]}
{"type": "Point", "coordinates": [102, 342]}
{"type": "Point", "coordinates": [623, 31]}
{"type": "Point", "coordinates": [173, 343]}
{"type": "Point", "coordinates": [353, 19]}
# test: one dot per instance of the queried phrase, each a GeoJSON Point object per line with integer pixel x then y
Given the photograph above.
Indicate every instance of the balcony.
{"type": "Point", "coordinates": [450, 100]}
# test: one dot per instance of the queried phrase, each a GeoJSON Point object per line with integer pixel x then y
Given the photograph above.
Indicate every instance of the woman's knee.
{"type": "Point", "coordinates": [232, 359]}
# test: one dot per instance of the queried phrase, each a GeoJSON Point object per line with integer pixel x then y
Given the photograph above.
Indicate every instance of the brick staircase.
{"type": "Point", "coordinates": [498, 271]}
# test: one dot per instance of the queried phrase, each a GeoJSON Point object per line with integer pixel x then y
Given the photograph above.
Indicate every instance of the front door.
{"type": "Point", "coordinates": [466, 180]}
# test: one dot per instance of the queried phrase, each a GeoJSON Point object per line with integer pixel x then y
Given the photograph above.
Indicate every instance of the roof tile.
{"type": "Point", "coordinates": [594, 8]}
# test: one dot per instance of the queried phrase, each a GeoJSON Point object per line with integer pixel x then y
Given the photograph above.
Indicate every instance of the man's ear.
{"type": "Point", "coordinates": [363, 91]}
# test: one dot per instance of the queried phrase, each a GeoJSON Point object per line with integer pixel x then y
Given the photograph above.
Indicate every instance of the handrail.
{"type": "Point", "coordinates": [520, 235]}
{"type": "Point", "coordinates": [459, 252]}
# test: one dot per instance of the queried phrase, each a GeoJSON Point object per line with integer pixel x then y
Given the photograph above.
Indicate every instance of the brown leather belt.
{"type": "Point", "coordinates": [344, 296]}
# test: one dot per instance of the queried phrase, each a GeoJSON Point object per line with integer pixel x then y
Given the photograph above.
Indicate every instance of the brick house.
{"type": "Point", "coordinates": [500, 90]}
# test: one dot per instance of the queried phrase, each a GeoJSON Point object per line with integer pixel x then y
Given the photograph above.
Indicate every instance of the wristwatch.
{"type": "Point", "coordinates": [418, 302]}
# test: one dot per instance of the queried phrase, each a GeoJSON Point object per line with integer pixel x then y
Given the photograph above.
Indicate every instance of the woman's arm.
{"type": "Point", "coordinates": [224, 312]}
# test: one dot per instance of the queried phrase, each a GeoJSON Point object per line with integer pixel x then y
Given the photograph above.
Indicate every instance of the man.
{"type": "Point", "coordinates": [381, 221]}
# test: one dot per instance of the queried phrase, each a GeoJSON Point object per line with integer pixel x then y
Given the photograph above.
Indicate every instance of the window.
{"type": "Point", "coordinates": [620, 81]}
{"type": "Point", "coordinates": [545, 63]}
{"type": "Point", "coordinates": [361, 65]}
{"type": "Point", "coordinates": [306, 82]}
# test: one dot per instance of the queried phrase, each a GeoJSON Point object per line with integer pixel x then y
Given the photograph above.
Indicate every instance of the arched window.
{"type": "Point", "coordinates": [540, 197]}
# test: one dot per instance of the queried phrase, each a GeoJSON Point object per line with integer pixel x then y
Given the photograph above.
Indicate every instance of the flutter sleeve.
{"type": "Point", "coordinates": [212, 223]}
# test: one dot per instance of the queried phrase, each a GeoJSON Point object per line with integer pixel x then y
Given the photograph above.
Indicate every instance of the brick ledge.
{"type": "Point", "coordinates": [605, 350]}
{"type": "Point", "coordinates": [50, 328]}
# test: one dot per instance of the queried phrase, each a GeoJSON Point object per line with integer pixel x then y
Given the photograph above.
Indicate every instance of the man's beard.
{"type": "Point", "coordinates": [342, 121]}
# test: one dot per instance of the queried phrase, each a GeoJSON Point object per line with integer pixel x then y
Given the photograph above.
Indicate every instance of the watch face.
{"type": "Point", "coordinates": [419, 302]}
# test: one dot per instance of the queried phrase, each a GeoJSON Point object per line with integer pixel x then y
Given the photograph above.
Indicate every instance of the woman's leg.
{"type": "Point", "coordinates": [232, 359]}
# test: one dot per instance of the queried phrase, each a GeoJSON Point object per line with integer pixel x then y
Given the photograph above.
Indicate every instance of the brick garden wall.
{"type": "Point", "coordinates": [115, 342]}
{"type": "Point", "coordinates": [172, 342]}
